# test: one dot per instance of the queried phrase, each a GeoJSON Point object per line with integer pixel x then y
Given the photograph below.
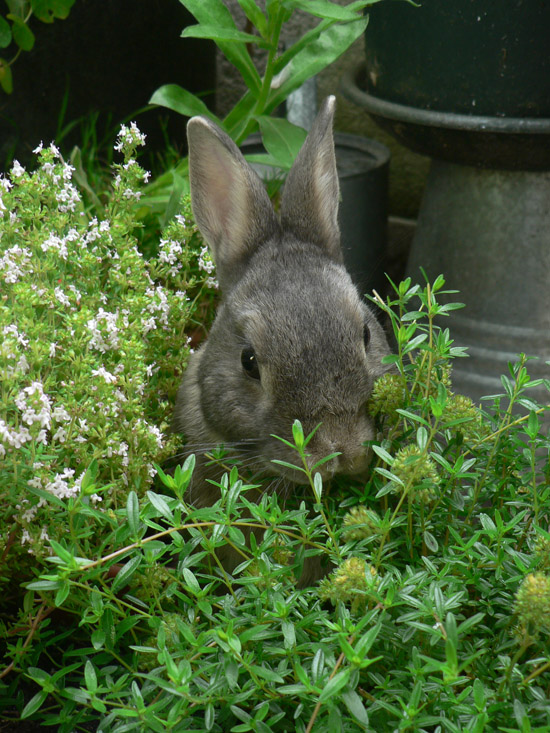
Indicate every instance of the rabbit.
{"type": "Point", "coordinates": [292, 338]}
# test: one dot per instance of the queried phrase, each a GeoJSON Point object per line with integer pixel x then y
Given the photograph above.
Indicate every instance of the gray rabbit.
{"type": "Point", "coordinates": [292, 337]}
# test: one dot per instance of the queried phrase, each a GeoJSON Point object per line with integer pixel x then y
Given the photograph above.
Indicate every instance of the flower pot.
{"type": "Point", "coordinates": [363, 166]}
{"type": "Point", "coordinates": [469, 85]}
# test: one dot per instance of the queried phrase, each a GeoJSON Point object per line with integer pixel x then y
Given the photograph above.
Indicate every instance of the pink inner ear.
{"type": "Point", "coordinates": [222, 182]}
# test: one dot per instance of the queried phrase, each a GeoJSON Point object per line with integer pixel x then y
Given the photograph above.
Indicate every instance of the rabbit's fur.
{"type": "Point", "coordinates": [292, 338]}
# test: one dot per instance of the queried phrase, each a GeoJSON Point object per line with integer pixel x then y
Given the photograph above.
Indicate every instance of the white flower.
{"type": "Point", "coordinates": [38, 148]}
{"type": "Point", "coordinates": [15, 438]}
{"type": "Point", "coordinates": [60, 435]}
{"type": "Point", "coordinates": [67, 198]}
{"type": "Point", "coordinates": [107, 376]}
{"type": "Point", "coordinates": [17, 169]}
{"type": "Point", "coordinates": [105, 331]}
{"type": "Point", "coordinates": [60, 414]}
{"type": "Point", "coordinates": [129, 137]}
{"type": "Point", "coordinates": [15, 263]}
{"type": "Point", "coordinates": [61, 297]}
{"type": "Point", "coordinates": [205, 261]}
{"type": "Point", "coordinates": [60, 487]}
{"type": "Point", "coordinates": [35, 405]}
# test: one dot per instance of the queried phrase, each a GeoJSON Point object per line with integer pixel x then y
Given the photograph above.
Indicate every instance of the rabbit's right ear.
{"type": "Point", "coordinates": [230, 204]}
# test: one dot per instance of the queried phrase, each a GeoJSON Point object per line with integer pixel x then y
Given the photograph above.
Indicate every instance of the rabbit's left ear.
{"type": "Point", "coordinates": [309, 205]}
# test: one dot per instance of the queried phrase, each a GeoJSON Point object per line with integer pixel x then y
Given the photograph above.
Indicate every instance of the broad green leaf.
{"type": "Point", "coordinates": [216, 34]}
{"type": "Point", "coordinates": [6, 79]}
{"type": "Point", "coordinates": [160, 505]}
{"type": "Point", "coordinates": [254, 15]}
{"type": "Point", "coordinates": [22, 34]}
{"type": "Point", "coordinates": [61, 8]}
{"type": "Point", "coordinates": [355, 706]}
{"type": "Point", "coordinates": [181, 101]}
{"type": "Point", "coordinates": [5, 33]}
{"type": "Point", "coordinates": [215, 13]}
{"type": "Point", "coordinates": [329, 10]}
{"type": "Point", "coordinates": [90, 676]}
{"type": "Point", "coordinates": [329, 46]}
{"type": "Point", "coordinates": [281, 139]}
{"type": "Point", "coordinates": [180, 187]}
{"type": "Point", "coordinates": [62, 593]}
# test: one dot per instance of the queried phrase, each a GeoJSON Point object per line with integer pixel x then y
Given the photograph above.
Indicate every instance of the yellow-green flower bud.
{"type": "Point", "coordinates": [460, 407]}
{"type": "Point", "coordinates": [352, 582]}
{"type": "Point", "coordinates": [533, 602]}
{"type": "Point", "coordinates": [388, 394]}
{"type": "Point", "coordinates": [417, 471]}
{"type": "Point", "coordinates": [360, 523]}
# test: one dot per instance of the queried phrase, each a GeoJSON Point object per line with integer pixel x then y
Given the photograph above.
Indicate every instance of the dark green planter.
{"type": "Point", "coordinates": [467, 82]}
{"type": "Point", "coordinates": [481, 57]}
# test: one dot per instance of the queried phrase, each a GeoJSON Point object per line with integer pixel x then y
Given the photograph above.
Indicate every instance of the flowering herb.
{"type": "Point", "coordinates": [93, 339]}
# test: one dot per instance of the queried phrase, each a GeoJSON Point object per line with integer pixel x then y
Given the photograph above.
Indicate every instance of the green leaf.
{"type": "Point", "coordinates": [125, 573]}
{"type": "Point", "coordinates": [355, 706]}
{"type": "Point", "coordinates": [22, 34]}
{"type": "Point", "coordinates": [132, 512]}
{"type": "Point", "coordinates": [191, 581]}
{"type": "Point", "coordinates": [217, 34]}
{"type": "Point", "coordinates": [254, 15]}
{"type": "Point", "coordinates": [319, 54]}
{"type": "Point", "coordinates": [160, 505]}
{"type": "Point", "coordinates": [215, 13]}
{"type": "Point", "coordinates": [90, 677]}
{"type": "Point", "coordinates": [5, 33]}
{"type": "Point", "coordinates": [333, 686]}
{"type": "Point", "coordinates": [328, 10]}
{"type": "Point", "coordinates": [6, 79]}
{"type": "Point", "coordinates": [180, 187]}
{"type": "Point", "coordinates": [267, 674]}
{"type": "Point", "coordinates": [62, 552]}
{"type": "Point", "coordinates": [62, 593]}
{"type": "Point", "coordinates": [281, 139]}
{"type": "Point", "coordinates": [174, 97]}
{"type": "Point", "coordinates": [34, 704]}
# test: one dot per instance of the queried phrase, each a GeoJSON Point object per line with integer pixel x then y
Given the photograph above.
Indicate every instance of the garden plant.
{"type": "Point", "coordinates": [284, 71]}
{"type": "Point", "coordinates": [116, 616]}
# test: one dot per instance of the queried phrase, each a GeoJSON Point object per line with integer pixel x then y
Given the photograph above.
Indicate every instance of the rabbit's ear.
{"type": "Point", "coordinates": [309, 206]}
{"type": "Point", "coordinates": [230, 204]}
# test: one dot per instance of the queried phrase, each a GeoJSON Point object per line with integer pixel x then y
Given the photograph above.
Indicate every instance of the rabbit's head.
{"type": "Point", "coordinates": [292, 338]}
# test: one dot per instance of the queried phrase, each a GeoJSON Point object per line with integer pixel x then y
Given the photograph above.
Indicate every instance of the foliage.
{"type": "Point", "coordinates": [283, 71]}
{"type": "Point", "coordinates": [434, 618]}
{"type": "Point", "coordinates": [14, 28]}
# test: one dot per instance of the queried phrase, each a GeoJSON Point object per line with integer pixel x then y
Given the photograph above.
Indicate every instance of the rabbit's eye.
{"type": "Point", "coordinates": [366, 335]}
{"type": "Point", "coordinates": [250, 363]}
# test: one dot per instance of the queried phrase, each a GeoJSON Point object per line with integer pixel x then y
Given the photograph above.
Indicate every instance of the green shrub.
{"type": "Point", "coordinates": [433, 615]}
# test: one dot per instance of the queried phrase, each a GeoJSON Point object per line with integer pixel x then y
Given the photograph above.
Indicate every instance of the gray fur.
{"type": "Point", "coordinates": [288, 297]}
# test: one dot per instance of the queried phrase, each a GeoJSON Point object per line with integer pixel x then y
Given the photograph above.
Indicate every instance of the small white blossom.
{"type": "Point", "coordinates": [17, 169]}
{"type": "Point", "coordinates": [107, 376]}
{"type": "Point", "coordinates": [35, 405]}
{"type": "Point", "coordinates": [62, 297]}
